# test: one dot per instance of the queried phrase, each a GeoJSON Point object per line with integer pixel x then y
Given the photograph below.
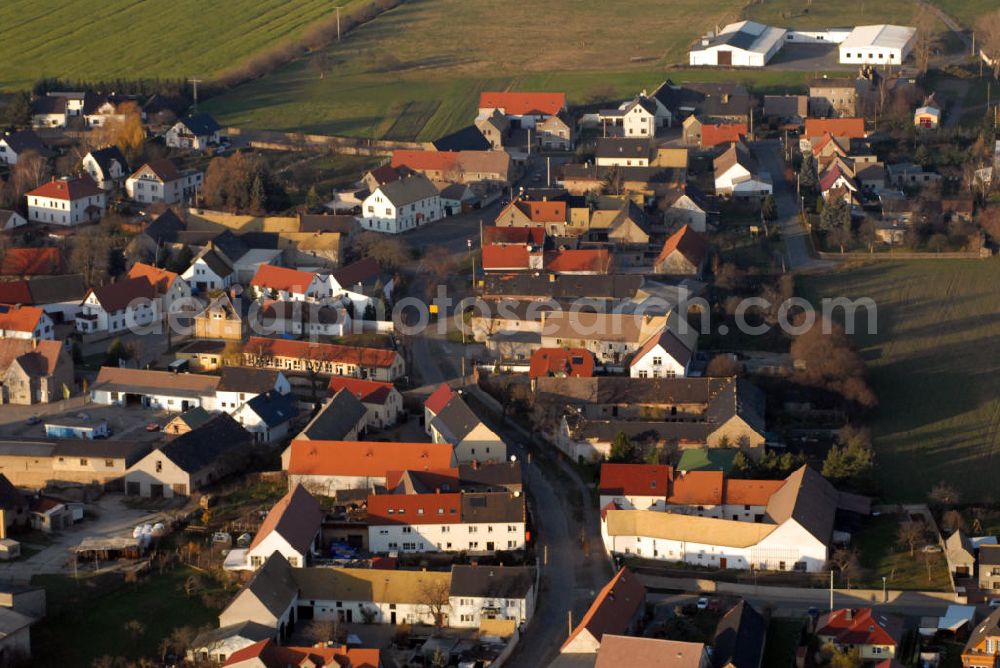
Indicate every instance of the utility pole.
{"type": "Point", "coordinates": [569, 620]}
{"type": "Point", "coordinates": [338, 23]}
{"type": "Point", "coordinates": [548, 172]}
{"type": "Point", "coordinates": [831, 590]}
{"type": "Point", "coordinates": [195, 82]}
{"type": "Point", "coordinates": [529, 142]}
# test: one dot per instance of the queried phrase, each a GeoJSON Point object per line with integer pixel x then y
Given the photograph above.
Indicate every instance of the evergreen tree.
{"type": "Point", "coordinates": [622, 449]}
{"type": "Point", "coordinates": [808, 176]}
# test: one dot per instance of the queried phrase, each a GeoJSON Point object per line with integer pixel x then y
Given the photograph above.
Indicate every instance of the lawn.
{"type": "Point", "coordinates": [86, 618]}
{"type": "Point", "coordinates": [800, 14]}
{"type": "Point", "coordinates": [966, 11]}
{"type": "Point", "coordinates": [881, 556]}
{"type": "Point", "coordinates": [411, 74]}
{"type": "Point", "coordinates": [128, 39]}
{"type": "Point", "coordinates": [935, 366]}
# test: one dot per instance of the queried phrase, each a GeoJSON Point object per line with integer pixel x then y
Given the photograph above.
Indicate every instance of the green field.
{"type": "Point", "coordinates": [967, 11]}
{"type": "Point", "coordinates": [935, 366]}
{"type": "Point", "coordinates": [802, 14]}
{"type": "Point", "coordinates": [129, 39]}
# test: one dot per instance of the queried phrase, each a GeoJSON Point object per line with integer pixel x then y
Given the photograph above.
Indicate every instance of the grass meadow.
{"type": "Point", "coordinates": [935, 366]}
{"type": "Point", "coordinates": [129, 39]}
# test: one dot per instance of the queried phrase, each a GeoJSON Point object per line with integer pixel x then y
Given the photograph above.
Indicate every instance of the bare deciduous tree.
{"type": "Point", "coordinates": [988, 38]}
{"type": "Point", "coordinates": [909, 534]}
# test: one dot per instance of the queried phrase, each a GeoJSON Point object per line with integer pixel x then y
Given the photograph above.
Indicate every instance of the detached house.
{"type": "Point", "coordinates": [224, 318]}
{"type": "Point", "coordinates": [25, 322]}
{"type": "Point", "coordinates": [198, 132]}
{"type": "Point", "coordinates": [292, 528]}
{"type": "Point", "coordinates": [107, 167]}
{"type": "Point", "coordinates": [684, 253]}
{"type": "Point", "coordinates": [491, 592]}
{"type": "Point", "coordinates": [622, 152]}
{"type": "Point", "coordinates": [16, 144]}
{"type": "Point", "coordinates": [382, 401]}
{"type": "Point", "coordinates": [170, 287]}
{"type": "Point", "coordinates": [116, 307]}
{"type": "Point", "coordinates": [738, 175]}
{"type": "Point", "coordinates": [271, 282]}
{"type": "Point", "coordinates": [160, 181]}
{"type": "Point", "coordinates": [876, 636]}
{"type": "Point", "coordinates": [616, 610]}
{"type": "Point", "coordinates": [33, 371]}
{"type": "Point", "coordinates": [664, 355]}
{"type": "Point", "coordinates": [636, 118]}
{"type": "Point", "coordinates": [983, 646]}
{"type": "Point", "coordinates": [268, 416]}
{"type": "Point", "coordinates": [209, 271]}
{"type": "Point", "coordinates": [555, 133]}
{"type": "Point", "coordinates": [457, 425]}
{"type": "Point", "coordinates": [67, 201]}
{"type": "Point", "coordinates": [48, 111]}
{"type": "Point", "coordinates": [191, 461]}
{"type": "Point", "coordinates": [525, 109]}
{"type": "Point", "coordinates": [402, 205]}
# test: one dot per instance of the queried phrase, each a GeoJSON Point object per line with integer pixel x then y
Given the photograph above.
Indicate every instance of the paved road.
{"type": "Point", "coordinates": [797, 244]}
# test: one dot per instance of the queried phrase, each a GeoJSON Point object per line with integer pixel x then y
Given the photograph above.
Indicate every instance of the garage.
{"type": "Point", "coordinates": [725, 56]}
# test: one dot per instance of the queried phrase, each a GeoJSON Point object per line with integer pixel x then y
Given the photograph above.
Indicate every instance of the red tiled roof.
{"type": "Point", "coordinates": [722, 133]}
{"type": "Point", "coordinates": [282, 278]}
{"type": "Point", "coordinates": [23, 319]}
{"type": "Point", "coordinates": [368, 391]}
{"type": "Point", "coordinates": [33, 262]}
{"type": "Point", "coordinates": [268, 654]}
{"type": "Point", "coordinates": [439, 398]}
{"type": "Point", "coordinates": [573, 362]}
{"type": "Point", "coordinates": [854, 128]}
{"type": "Point", "coordinates": [386, 509]}
{"type": "Point", "coordinates": [160, 278]}
{"type": "Point", "coordinates": [116, 296]}
{"type": "Point", "coordinates": [357, 272]}
{"type": "Point", "coordinates": [689, 243]}
{"type": "Point", "coordinates": [366, 357]}
{"type": "Point", "coordinates": [697, 488]}
{"type": "Point", "coordinates": [69, 189]}
{"type": "Point", "coordinates": [578, 260]}
{"type": "Point", "coordinates": [505, 257]}
{"type": "Point", "coordinates": [47, 351]}
{"type": "Point", "coordinates": [636, 479]}
{"type": "Point", "coordinates": [15, 292]}
{"type": "Point", "coordinates": [165, 169]}
{"type": "Point", "coordinates": [513, 235]}
{"type": "Point", "coordinates": [425, 160]}
{"type": "Point", "coordinates": [613, 609]}
{"type": "Point", "coordinates": [540, 211]}
{"type": "Point", "coordinates": [370, 459]}
{"type": "Point", "coordinates": [857, 627]}
{"type": "Point", "coordinates": [523, 103]}
{"type": "Point", "coordinates": [385, 174]}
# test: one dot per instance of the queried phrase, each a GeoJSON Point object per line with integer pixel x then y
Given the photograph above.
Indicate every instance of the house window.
{"type": "Point", "coordinates": [159, 466]}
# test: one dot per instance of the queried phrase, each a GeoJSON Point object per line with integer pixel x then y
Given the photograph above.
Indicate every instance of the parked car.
{"type": "Point", "coordinates": [994, 603]}
{"type": "Point", "coordinates": [932, 548]}
{"type": "Point", "coordinates": [33, 420]}
{"type": "Point", "coordinates": [152, 426]}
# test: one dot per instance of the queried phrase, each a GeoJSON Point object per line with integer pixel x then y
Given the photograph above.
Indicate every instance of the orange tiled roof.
{"type": "Point", "coordinates": [722, 133]}
{"type": "Point", "coordinates": [367, 459]}
{"type": "Point", "coordinates": [374, 357]}
{"type": "Point", "coordinates": [161, 279]}
{"type": "Point", "coordinates": [47, 351]}
{"type": "Point", "coordinates": [368, 391]}
{"type": "Point", "coordinates": [425, 160]}
{"type": "Point", "coordinates": [552, 361]}
{"type": "Point", "coordinates": [853, 128]}
{"type": "Point", "coordinates": [33, 262]}
{"type": "Point", "coordinates": [614, 607]}
{"type": "Point", "coordinates": [499, 257]}
{"type": "Point", "coordinates": [690, 244]}
{"type": "Point", "coordinates": [596, 260]}
{"type": "Point", "coordinates": [282, 278]}
{"type": "Point", "coordinates": [513, 235]}
{"type": "Point", "coordinates": [21, 319]}
{"type": "Point", "coordinates": [697, 488]}
{"type": "Point", "coordinates": [523, 103]}
{"type": "Point", "coordinates": [751, 492]}
{"type": "Point", "coordinates": [635, 479]}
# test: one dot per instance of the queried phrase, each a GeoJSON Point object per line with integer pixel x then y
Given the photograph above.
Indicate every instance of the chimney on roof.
{"type": "Point", "coordinates": [849, 614]}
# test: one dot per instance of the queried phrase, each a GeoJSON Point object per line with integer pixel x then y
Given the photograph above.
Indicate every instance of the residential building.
{"type": "Point", "coordinates": [837, 97]}
{"type": "Point", "coordinates": [48, 111]}
{"type": "Point", "coordinates": [38, 261]}
{"type": "Point", "coordinates": [961, 554]}
{"type": "Point", "coordinates": [555, 133]}
{"type": "Point", "coordinates": [402, 205]}
{"type": "Point", "coordinates": [480, 593]}
{"type": "Point", "coordinates": [635, 486]}
{"type": "Point", "coordinates": [489, 167]}
{"type": "Point", "coordinates": [876, 636]}
{"type": "Point", "coordinates": [268, 416]}
{"type": "Point", "coordinates": [742, 44]}
{"type": "Point", "coordinates": [161, 181]}
{"type": "Point", "coordinates": [472, 440]}
{"type": "Point", "coordinates": [476, 523]}
{"type": "Point", "coordinates": [711, 135]}
{"type": "Point", "coordinates": [524, 109]}
{"type": "Point", "coordinates": [219, 644]}
{"type": "Point", "coordinates": [268, 654]}
{"type": "Point", "coordinates": [786, 108]}
{"type": "Point", "coordinates": [324, 358]}
{"type": "Point", "coordinates": [170, 288]}
{"type": "Point", "coordinates": [25, 322]}
{"type": "Point", "coordinates": [611, 337]}
{"type": "Point", "coordinates": [664, 355]}
{"type": "Point", "coordinates": [435, 403]}
{"type": "Point", "coordinates": [224, 318]}
{"type": "Point", "coordinates": [684, 253]}
{"type": "Point", "coordinates": [292, 528]}
{"type": "Point", "coordinates": [197, 131]}
{"type": "Point", "coordinates": [639, 117]}
{"type": "Point", "coordinates": [983, 645]}
{"type": "Point", "coordinates": [209, 271]}
{"type": "Point", "coordinates": [382, 401]}
{"type": "Point", "coordinates": [740, 638]}
{"type": "Point", "coordinates": [840, 128]}
{"type": "Point", "coordinates": [686, 206]}
{"type": "Point", "coordinates": [58, 296]}
{"type": "Point", "coordinates": [342, 418]}
{"type": "Point", "coordinates": [495, 128]}
{"type": "Point", "coordinates": [238, 385]}
{"type": "Point", "coordinates": [561, 362]}
{"type": "Point", "coordinates": [327, 466]}
{"type": "Point", "coordinates": [616, 610]}
{"type": "Point", "coordinates": [67, 201]}
{"type": "Point", "coordinates": [16, 144]}
{"type": "Point", "coordinates": [117, 307]}
{"type": "Point", "coordinates": [549, 215]}
{"type": "Point", "coordinates": [877, 45]}
{"type": "Point", "coordinates": [34, 371]}
{"type": "Point", "coordinates": [989, 568]}
{"type": "Point", "coordinates": [622, 152]}
{"type": "Point", "coordinates": [191, 461]}
{"type": "Point", "coordinates": [107, 167]}
{"type": "Point", "coordinates": [738, 175]}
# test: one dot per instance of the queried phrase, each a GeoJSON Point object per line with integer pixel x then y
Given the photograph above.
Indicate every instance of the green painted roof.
{"type": "Point", "coordinates": [707, 459]}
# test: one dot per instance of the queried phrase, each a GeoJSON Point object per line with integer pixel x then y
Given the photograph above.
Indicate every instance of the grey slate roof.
{"type": "Point", "coordinates": [200, 124]}
{"type": "Point", "coordinates": [468, 138]}
{"type": "Point", "coordinates": [612, 147]}
{"type": "Point", "coordinates": [497, 476]}
{"type": "Point", "coordinates": [739, 638]}
{"type": "Point", "coordinates": [492, 507]}
{"type": "Point", "coordinates": [105, 157]}
{"type": "Point", "coordinates": [335, 420]}
{"type": "Point", "coordinates": [230, 245]}
{"type": "Point", "coordinates": [273, 585]}
{"type": "Point", "coordinates": [611, 286]}
{"type": "Point", "coordinates": [130, 451]}
{"type": "Point", "coordinates": [165, 227]}
{"type": "Point", "coordinates": [408, 190]}
{"type": "Point", "coordinates": [27, 140]}
{"type": "Point", "coordinates": [455, 420]}
{"type": "Point", "coordinates": [492, 581]}
{"type": "Point", "coordinates": [55, 289]}
{"type": "Point", "coordinates": [201, 447]}
{"type": "Point", "coordinates": [807, 498]}
{"type": "Point", "coordinates": [274, 408]}
{"type": "Point", "coordinates": [247, 379]}
{"type": "Point", "coordinates": [214, 261]}
{"type": "Point", "coordinates": [10, 497]}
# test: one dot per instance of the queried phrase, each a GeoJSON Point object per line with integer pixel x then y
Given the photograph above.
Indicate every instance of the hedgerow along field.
{"type": "Point", "coordinates": [935, 366]}
{"type": "Point", "coordinates": [110, 39]}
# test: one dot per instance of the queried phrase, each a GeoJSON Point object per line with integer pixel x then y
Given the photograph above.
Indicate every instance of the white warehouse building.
{"type": "Point", "coordinates": [877, 45]}
{"type": "Point", "coordinates": [743, 44]}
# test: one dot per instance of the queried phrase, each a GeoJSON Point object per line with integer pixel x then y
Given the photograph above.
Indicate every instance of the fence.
{"type": "Point", "coordinates": [963, 255]}
{"type": "Point", "coordinates": [299, 141]}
